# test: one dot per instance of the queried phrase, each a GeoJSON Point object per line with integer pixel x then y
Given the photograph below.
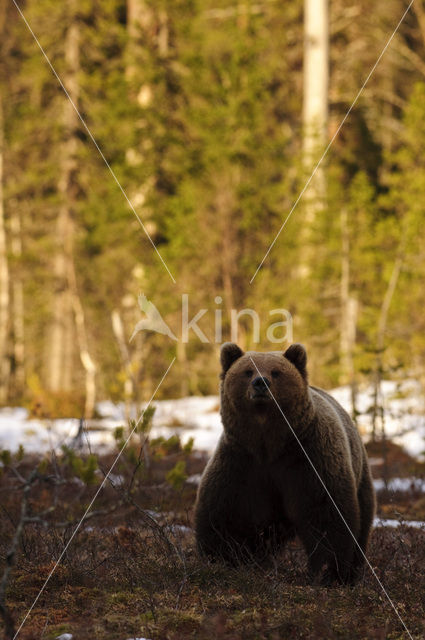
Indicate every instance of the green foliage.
{"type": "Point", "coordinates": [131, 455]}
{"type": "Point", "coordinates": [19, 455]}
{"type": "Point", "coordinates": [197, 109]}
{"type": "Point", "coordinates": [43, 465]}
{"type": "Point", "coordinates": [119, 436]}
{"type": "Point", "coordinates": [177, 476]}
{"type": "Point", "coordinates": [162, 446]}
{"type": "Point", "coordinates": [165, 446]}
{"type": "Point", "coordinates": [5, 457]}
{"type": "Point", "coordinates": [85, 469]}
{"type": "Point", "coordinates": [188, 447]}
{"type": "Point", "coordinates": [145, 425]}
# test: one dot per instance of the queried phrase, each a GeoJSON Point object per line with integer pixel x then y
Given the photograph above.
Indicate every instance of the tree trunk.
{"type": "Point", "coordinates": [163, 34]}
{"type": "Point", "coordinates": [377, 409]}
{"type": "Point", "coordinates": [316, 75]}
{"type": "Point", "coordinates": [61, 336]}
{"type": "Point", "coordinates": [139, 18]}
{"type": "Point", "coordinates": [85, 357]}
{"type": "Point", "coordinates": [130, 382]}
{"type": "Point", "coordinates": [67, 303]}
{"type": "Point", "coordinates": [349, 313]}
{"type": "Point", "coordinates": [315, 115]}
{"type": "Point", "coordinates": [224, 207]}
{"type": "Point", "coordinates": [348, 307]}
{"type": "Point", "coordinates": [17, 306]}
{"type": "Point", "coordinates": [4, 281]}
{"type": "Point", "coordinates": [181, 355]}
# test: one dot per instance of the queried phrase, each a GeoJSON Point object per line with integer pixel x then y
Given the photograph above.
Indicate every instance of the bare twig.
{"type": "Point", "coordinates": [11, 554]}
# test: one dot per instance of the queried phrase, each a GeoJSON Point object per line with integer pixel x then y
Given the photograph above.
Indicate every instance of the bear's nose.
{"type": "Point", "coordinates": [260, 383]}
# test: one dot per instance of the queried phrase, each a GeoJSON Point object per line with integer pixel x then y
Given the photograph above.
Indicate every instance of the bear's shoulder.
{"type": "Point", "coordinates": [331, 414]}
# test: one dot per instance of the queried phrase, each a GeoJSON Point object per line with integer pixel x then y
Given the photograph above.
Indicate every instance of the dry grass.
{"type": "Point", "coordinates": [132, 571]}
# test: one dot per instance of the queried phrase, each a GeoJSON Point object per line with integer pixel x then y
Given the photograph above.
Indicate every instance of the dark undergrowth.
{"type": "Point", "coordinates": [132, 570]}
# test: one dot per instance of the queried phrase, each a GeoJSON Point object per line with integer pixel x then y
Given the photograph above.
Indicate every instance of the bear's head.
{"type": "Point", "coordinates": [256, 384]}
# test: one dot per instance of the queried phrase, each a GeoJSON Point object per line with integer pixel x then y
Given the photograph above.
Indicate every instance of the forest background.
{"type": "Point", "coordinates": [198, 109]}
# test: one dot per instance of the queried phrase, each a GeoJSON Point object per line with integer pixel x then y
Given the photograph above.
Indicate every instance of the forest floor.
{"type": "Point", "coordinates": [132, 571]}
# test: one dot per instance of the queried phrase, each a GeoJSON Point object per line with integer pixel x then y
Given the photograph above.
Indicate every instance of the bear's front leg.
{"type": "Point", "coordinates": [232, 509]}
{"type": "Point", "coordinates": [328, 529]}
{"type": "Point", "coordinates": [331, 541]}
{"type": "Point", "coordinates": [330, 556]}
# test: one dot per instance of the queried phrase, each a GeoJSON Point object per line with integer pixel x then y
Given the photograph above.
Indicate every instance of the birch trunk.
{"type": "Point", "coordinates": [130, 382]}
{"type": "Point", "coordinates": [315, 114]}
{"type": "Point", "coordinates": [139, 18]}
{"type": "Point", "coordinates": [163, 34]}
{"type": "Point", "coordinates": [83, 345]}
{"type": "Point", "coordinates": [316, 75]}
{"type": "Point", "coordinates": [181, 355]}
{"type": "Point", "coordinates": [4, 281]}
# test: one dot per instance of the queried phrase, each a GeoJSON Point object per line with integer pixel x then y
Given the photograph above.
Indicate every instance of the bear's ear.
{"type": "Point", "coordinates": [297, 354]}
{"type": "Point", "coordinates": [230, 352]}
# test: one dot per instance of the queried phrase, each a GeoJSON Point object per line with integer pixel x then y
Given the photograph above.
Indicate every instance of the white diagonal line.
{"type": "Point", "coordinates": [332, 140]}
{"type": "Point", "coordinates": [93, 500]}
{"type": "Point", "coordinates": [336, 506]}
{"type": "Point", "coordinates": [93, 139]}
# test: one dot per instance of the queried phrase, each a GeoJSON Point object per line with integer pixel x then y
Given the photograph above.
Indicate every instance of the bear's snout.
{"type": "Point", "coordinates": [260, 386]}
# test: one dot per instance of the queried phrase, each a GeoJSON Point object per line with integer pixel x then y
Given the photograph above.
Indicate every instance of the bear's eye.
{"type": "Point", "coordinates": [249, 373]}
{"type": "Point", "coordinates": [275, 374]}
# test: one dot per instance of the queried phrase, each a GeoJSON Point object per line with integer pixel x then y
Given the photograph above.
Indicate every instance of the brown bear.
{"type": "Point", "coordinates": [290, 462]}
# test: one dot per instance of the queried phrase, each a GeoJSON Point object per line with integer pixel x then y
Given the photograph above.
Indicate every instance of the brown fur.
{"type": "Point", "coordinates": [259, 488]}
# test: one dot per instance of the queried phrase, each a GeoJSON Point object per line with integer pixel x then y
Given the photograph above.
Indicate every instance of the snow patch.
{"type": "Point", "coordinates": [180, 529]}
{"type": "Point", "coordinates": [194, 479]}
{"type": "Point", "coordinates": [403, 408]}
{"type": "Point", "coordinates": [400, 484]}
{"type": "Point", "coordinates": [199, 418]}
{"type": "Point", "coordinates": [388, 522]}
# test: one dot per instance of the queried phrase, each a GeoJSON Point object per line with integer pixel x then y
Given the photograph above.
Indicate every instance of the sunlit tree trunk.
{"type": "Point", "coordinates": [135, 10]}
{"type": "Point", "coordinates": [139, 21]}
{"type": "Point", "coordinates": [377, 408]}
{"type": "Point", "coordinates": [316, 75]}
{"type": "Point", "coordinates": [83, 345]}
{"type": "Point", "coordinates": [181, 355]}
{"type": "Point", "coordinates": [163, 34]}
{"type": "Point", "coordinates": [349, 312]}
{"type": "Point", "coordinates": [224, 207]}
{"type": "Point", "coordinates": [139, 17]}
{"type": "Point", "coordinates": [129, 382]}
{"type": "Point", "coordinates": [18, 325]}
{"type": "Point", "coordinates": [60, 359]}
{"type": "Point", "coordinates": [315, 114]}
{"type": "Point", "coordinates": [4, 280]}
{"type": "Point", "coordinates": [68, 312]}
